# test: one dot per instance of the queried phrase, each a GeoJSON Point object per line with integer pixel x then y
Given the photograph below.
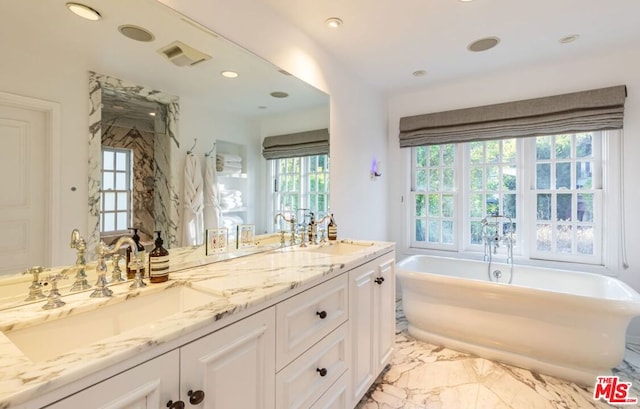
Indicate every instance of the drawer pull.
{"type": "Point", "coordinates": [175, 405]}
{"type": "Point", "coordinates": [195, 397]}
{"type": "Point", "coordinates": [322, 371]}
{"type": "Point", "coordinates": [379, 280]}
{"type": "Point", "coordinates": [322, 314]}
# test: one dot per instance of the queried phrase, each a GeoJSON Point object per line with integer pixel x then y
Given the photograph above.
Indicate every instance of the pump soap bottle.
{"type": "Point", "coordinates": [131, 272]}
{"type": "Point", "coordinates": [158, 262]}
{"type": "Point", "coordinates": [332, 227]}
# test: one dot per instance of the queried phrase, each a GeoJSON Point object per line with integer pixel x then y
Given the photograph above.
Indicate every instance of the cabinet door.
{"type": "Point", "coordinates": [234, 367]}
{"type": "Point", "coordinates": [361, 321]}
{"type": "Point", "coordinates": [385, 313]}
{"type": "Point", "coordinates": [147, 386]}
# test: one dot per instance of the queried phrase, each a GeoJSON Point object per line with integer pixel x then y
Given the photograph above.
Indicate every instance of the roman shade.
{"type": "Point", "coordinates": [594, 110]}
{"type": "Point", "coordinates": [292, 145]}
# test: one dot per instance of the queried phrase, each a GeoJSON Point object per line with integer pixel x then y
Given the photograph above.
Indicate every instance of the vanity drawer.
{"type": "Point", "coordinates": [305, 380]}
{"type": "Point", "coordinates": [336, 397]}
{"type": "Point", "coordinates": [304, 319]}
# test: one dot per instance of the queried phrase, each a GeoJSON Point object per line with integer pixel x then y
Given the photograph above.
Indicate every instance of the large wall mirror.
{"type": "Point", "coordinates": [138, 60]}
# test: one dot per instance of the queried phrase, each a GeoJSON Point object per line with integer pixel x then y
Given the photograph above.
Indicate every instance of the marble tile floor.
{"type": "Point", "coordinates": [426, 376]}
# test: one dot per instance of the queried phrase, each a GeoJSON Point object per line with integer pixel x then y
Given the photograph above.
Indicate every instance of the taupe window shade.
{"type": "Point", "coordinates": [593, 110]}
{"type": "Point", "coordinates": [292, 145]}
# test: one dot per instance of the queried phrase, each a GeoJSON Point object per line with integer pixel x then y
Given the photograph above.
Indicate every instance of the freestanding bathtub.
{"type": "Point", "coordinates": [567, 324]}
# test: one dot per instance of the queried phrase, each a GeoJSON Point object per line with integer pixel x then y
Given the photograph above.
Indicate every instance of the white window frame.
{"type": "Point", "coordinates": [128, 172]}
{"type": "Point", "coordinates": [607, 200]}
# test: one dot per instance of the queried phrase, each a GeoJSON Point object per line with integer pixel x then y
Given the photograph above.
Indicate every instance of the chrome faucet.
{"type": "Point", "coordinates": [291, 221]}
{"type": "Point", "coordinates": [492, 240]}
{"type": "Point", "coordinates": [324, 219]}
{"type": "Point", "coordinates": [102, 251]}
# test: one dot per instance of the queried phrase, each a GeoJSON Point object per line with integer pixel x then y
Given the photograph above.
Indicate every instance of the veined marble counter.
{"type": "Point", "coordinates": [239, 285]}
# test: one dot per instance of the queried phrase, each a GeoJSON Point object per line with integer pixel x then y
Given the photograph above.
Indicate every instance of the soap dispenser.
{"type": "Point", "coordinates": [332, 229]}
{"type": "Point", "coordinates": [131, 272]}
{"type": "Point", "coordinates": [158, 262]}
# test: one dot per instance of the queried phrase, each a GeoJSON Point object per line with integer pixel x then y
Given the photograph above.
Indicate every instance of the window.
{"type": "Point", "coordinates": [434, 195]}
{"type": "Point", "coordinates": [300, 183]}
{"type": "Point", "coordinates": [551, 187]}
{"type": "Point", "coordinates": [116, 193]}
{"type": "Point", "coordinates": [567, 188]}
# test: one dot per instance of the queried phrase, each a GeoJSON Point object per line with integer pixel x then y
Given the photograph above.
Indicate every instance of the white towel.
{"type": "Point", "coordinates": [228, 158]}
{"type": "Point", "coordinates": [193, 217]}
{"type": "Point", "coordinates": [211, 202]}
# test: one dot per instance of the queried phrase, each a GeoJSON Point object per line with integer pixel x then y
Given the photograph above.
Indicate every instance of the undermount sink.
{"type": "Point", "coordinates": [340, 248]}
{"type": "Point", "coordinates": [51, 339]}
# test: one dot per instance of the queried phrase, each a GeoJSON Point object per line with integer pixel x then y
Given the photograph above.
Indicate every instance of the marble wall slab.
{"type": "Point", "coordinates": [165, 158]}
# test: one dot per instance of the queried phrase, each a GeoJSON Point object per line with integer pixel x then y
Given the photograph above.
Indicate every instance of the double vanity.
{"type": "Point", "coordinates": [292, 327]}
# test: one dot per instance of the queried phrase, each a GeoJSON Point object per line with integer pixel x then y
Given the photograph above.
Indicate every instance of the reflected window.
{"type": "Point", "coordinates": [116, 207]}
{"type": "Point", "coordinates": [300, 183]}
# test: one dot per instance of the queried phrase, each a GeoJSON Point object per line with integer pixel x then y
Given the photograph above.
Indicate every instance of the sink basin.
{"type": "Point", "coordinates": [50, 339]}
{"type": "Point", "coordinates": [340, 248]}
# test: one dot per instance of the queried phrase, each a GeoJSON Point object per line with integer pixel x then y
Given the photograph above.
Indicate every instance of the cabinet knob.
{"type": "Point", "coordinates": [322, 314]}
{"type": "Point", "coordinates": [379, 280]}
{"type": "Point", "coordinates": [322, 371]}
{"type": "Point", "coordinates": [175, 405]}
{"type": "Point", "coordinates": [195, 397]}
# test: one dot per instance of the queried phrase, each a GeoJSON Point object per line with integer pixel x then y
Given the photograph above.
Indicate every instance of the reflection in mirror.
{"type": "Point", "coordinates": [57, 54]}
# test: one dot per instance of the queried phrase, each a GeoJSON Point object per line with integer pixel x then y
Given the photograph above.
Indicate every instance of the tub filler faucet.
{"type": "Point", "coordinates": [492, 239]}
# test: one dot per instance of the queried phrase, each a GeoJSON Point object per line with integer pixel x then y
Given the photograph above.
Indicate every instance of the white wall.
{"type": "Point", "coordinates": [614, 67]}
{"type": "Point", "coordinates": [358, 118]}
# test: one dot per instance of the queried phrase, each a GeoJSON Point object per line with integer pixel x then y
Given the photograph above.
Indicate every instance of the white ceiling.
{"type": "Point", "coordinates": [48, 29]}
{"type": "Point", "coordinates": [385, 41]}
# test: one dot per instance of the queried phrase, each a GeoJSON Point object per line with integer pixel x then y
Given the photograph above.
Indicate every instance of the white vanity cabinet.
{"type": "Point", "coordinates": [372, 321]}
{"type": "Point", "coordinates": [321, 348]}
{"type": "Point", "coordinates": [147, 386]}
{"type": "Point", "coordinates": [234, 367]}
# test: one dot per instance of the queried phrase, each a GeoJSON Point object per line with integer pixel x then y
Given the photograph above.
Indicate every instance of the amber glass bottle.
{"type": "Point", "coordinates": [158, 262]}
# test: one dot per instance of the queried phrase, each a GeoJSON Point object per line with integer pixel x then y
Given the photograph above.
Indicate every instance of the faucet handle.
{"type": "Point", "coordinates": [102, 249]}
{"type": "Point", "coordinates": [35, 270]}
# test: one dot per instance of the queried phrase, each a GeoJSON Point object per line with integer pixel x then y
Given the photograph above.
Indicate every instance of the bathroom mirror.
{"type": "Point", "coordinates": [49, 53]}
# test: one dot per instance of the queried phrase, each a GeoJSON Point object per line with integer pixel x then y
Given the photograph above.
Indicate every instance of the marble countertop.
{"type": "Point", "coordinates": [236, 285]}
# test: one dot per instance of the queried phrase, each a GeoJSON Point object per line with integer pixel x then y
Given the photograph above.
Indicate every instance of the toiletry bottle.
{"type": "Point", "coordinates": [332, 229]}
{"type": "Point", "coordinates": [158, 262]}
{"type": "Point", "coordinates": [131, 271]}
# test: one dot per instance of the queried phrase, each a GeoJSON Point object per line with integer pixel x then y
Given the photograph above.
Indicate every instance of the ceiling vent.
{"type": "Point", "coordinates": [182, 55]}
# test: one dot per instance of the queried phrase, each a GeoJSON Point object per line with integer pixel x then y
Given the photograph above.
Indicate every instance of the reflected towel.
{"type": "Point", "coordinates": [211, 201]}
{"type": "Point", "coordinates": [193, 215]}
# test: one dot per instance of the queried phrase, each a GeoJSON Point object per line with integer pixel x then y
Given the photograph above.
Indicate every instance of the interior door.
{"type": "Point", "coordinates": [23, 193]}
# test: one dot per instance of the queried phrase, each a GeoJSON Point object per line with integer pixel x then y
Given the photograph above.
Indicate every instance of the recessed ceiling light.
{"type": "Point", "coordinates": [279, 94]}
{"type": "Point", "coordinates": [152, 113]}
{"type": "Point", "coordinates": [84, 11]}
{"type": "Point", "coordinates": [569, 39]}
{"type": "Point", "coordinates": [136, 33]}
{"type": "Point", "coordinates": [466, 1]}
{"type": "Point", "coordinates": [333, 22]}
{"type": "Point", "coordinates": [483, 44]}
{"type": "Point", "coordinates": [229, 74]}
{"type": "Point", "coordinates": [419, 73]}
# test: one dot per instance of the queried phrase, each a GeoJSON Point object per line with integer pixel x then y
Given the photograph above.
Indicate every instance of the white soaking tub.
{"type": "Point", "coordinates": [567, 324]}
